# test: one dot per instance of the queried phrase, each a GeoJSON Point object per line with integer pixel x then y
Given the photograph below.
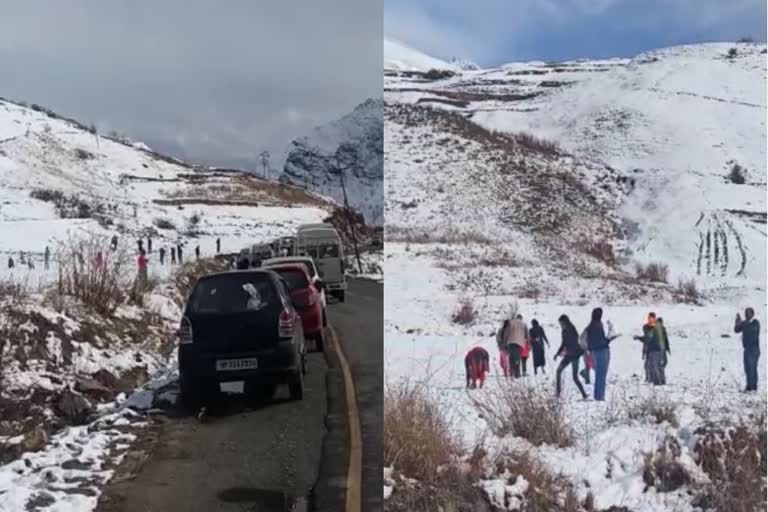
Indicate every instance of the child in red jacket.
{"type": "Point", "coordinates": [476, 364]}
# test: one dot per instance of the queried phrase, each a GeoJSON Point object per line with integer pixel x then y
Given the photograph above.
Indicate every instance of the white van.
{"type": "Point", "coordinates": [259, 252]}
{"type": "Point", "coordinates": [324, 245]}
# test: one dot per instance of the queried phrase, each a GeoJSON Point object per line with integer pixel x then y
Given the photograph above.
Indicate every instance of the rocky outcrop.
{"type": "Point", "coordinates": [317, 163]}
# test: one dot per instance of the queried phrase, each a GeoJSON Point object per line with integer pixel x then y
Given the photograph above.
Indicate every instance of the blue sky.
{"type": "Point", "coordinates": [492, 32]}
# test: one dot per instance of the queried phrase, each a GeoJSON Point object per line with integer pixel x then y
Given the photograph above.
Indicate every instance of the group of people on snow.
{"type": "Point", "coordinates": [516, 342]}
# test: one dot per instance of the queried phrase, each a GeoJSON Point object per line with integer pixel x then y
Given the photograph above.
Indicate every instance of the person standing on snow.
{"type": "Point", "coordinates": [143, 278]}
{"type": "Point", "coordinates": [140, 244]}
{"type": "Point", "coordinates": [750, 341]}
{"type": "Point", "coordinates": [218, 245]}
{"type": "Point", "coordinates": [173, 255]}
{"type": "Point", "coordinates": [162, 255]}
{"type": "Point", "coordinates": [179, 254]}
{"type": "Point", "coordinates": [598, 346]}
{"type": "Point", "coordinates": [501, 336]}
{"type": "Point", "coordinates": [476, 365]}
{"type": "Point", "coordinates": [653, 355]}
{"type": "Point", "coordinates": [664, 340]}
{"type": "Point", "coordinates": [517, 338]}
{"type": "Point", "coordinates": [149, 245]}
{"type": "Point", "coordinates": [11, 264]}
{"type": "Point", "coordinates": [197, 252]}
{"type": "Point", "coordinates": [47, 257]}
{"type": "Point", "coordinates": [538, 338]}
{"type": "Point", "coordinates": [113, 245]}
{"type": "Point", "coordinates": [571, 352]}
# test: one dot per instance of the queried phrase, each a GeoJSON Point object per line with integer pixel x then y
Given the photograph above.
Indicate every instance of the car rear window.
{"type": "Point", "coordinates": [295, 279]}
{"type": "Point", "coordinates": [233, 293]}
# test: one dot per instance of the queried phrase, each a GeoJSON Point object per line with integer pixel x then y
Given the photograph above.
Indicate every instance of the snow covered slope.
{"type": "Point", "coordinates": [312, 162]}
{"type": "Point", "coordinates": [400, 57]}
{"type": "Point", "coordinates": [112, 188]}
{"type": "Point", "coordinates": [544, 184]}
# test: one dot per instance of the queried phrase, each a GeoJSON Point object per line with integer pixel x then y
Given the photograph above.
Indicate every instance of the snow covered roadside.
{"type": "Point", "coordinates": [372, 263]}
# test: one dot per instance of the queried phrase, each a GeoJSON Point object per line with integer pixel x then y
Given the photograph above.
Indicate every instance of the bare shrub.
{"type": "Point", "coordinates": [163, 223]}
{"type": "Point", "coordinates": [734, 458]}
{"type": "Point", "coordinates": [546, 490]}
{"type": "Point", "coordinates": [92, 273]}
{"type": "Point", "coordinates": [732, 53]}
{"type": "Point", "coordinates": [525, 411]}
{"type": "Point", "coordinates": [687, 291]}
{"type": "Point", "coordinates": [433, 236]}
{"type": "Point", "coordinates": [530, 290]}
{"type": "Point", "coordinates": [662, 469]}
{"type": "Point", "coordinates": [653, 406]}
{"type": "Point", "coordinates": [537, 144]}
{"type": "Point", "coordinates": [187, 275]}
{"type": "Point", "coordinates": [737, 175]}
{"type": "Point", "coordinates": [449, 489]}
{"type": "Point", "coordinates": [438, 74]}
{"type": "Point", "coordinates": [658, 272]}
{"type": "Point", "coordinates": [418, 437]}
{"type": "Point", "coordinates": [601, 250]}
{"type": "Point", "coordinates": [465, 314]}
{"type": "Point", "coordinates": [83, 154]}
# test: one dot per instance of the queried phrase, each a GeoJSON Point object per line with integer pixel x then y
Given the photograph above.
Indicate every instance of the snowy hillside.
{"type": "Point", "coordinates": [312, 160]}
{"type": "Point", "coordinates": [546, 185]}
{"type": "Point", "coordinates": [400, 57]}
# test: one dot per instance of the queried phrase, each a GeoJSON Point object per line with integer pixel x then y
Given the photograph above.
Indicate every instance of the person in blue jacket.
{"type": "Point", "coordinates": [598, 346]}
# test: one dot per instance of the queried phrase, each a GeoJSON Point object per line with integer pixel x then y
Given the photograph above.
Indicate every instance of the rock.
{"type": "Point", "coordinates": [141, 400]}
{"type": "Point", "coordinates": [34, 440]}
{"type": "Point", "coordinates": [132, 379]}
{"type": "Point", "coordinates": [73, 407]}
{"type": "Point", "coordinates": [106, 379]}
{"type": "Point", "coordinates": [93, 388]}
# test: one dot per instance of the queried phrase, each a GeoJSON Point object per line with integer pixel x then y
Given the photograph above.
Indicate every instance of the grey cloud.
{"type": "Point", "coordinates": [215, 81]}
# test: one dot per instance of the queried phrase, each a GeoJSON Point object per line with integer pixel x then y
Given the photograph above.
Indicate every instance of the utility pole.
{"type": "Point", "coordinates": [353, 161]}
{"type": "Point", "coordinates": [264, 155]}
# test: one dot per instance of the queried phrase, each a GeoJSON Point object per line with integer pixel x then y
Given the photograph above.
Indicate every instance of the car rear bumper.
{"type": "Point", "coordinates": [272, 364]}
{"type": "Point", "coordinates": [336, 286]}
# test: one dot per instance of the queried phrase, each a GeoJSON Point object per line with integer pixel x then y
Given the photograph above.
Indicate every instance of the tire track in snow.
{"type": "Point", "coordinates": [740, 246]}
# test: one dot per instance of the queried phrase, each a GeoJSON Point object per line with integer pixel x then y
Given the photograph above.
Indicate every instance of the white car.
{"type": "Point", "coordinates": [309, 263]}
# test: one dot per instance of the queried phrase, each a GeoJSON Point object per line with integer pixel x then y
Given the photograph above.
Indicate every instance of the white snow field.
{"type": "Point", "coordinates": [127, 190]}
{"type": "Point", "coordinates": [401, 57]}
{"type": "Point", "coordinates": [636, 173]}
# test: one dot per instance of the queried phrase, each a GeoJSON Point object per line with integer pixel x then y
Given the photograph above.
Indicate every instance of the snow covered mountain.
{"type": "Point", "coordinates": [312, 160]}
{"type": "Point", "coordinates": [400, 57]}
{"type": "Point", "coordinates": [544, 186]}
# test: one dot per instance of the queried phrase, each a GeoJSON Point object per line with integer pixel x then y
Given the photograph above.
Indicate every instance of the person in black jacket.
{"type": "Point", "coordinates": [571, 352]}
{"type": "Point", "coordinates": [538, 338]}
{"type": "Point", "coordinates": [750, 341]}
{"type": "Point", "coordinates": [652, 354]}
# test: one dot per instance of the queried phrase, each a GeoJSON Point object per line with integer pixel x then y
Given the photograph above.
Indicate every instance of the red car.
{"type": "Point", "coordinates": [306, 298]}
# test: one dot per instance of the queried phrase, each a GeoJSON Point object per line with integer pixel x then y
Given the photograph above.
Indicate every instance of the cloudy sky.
{"type": "Point", "coordinates": [493, 32]}
{"type": "Point", "coordinates": [211, 81]}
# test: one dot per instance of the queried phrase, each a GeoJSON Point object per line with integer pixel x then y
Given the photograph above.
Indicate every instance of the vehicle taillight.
{"type": "Point", "coordinates": [185, 331]}
{"type": "Point", "coordinates": [285, 325]}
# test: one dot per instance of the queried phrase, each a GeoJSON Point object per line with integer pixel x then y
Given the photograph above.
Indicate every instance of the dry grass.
{"type": "Point", "coordinates": [687, 291]}
{"type": "Point", "coordinates": [601, 250]}
{"type": "Point", "coordinates": [662, 468]}
{"type": "Point", "coordinates": [734, 458]}
{"type": "Point", "coordinates": [546, 490]}
{"type": "Point", "coordinates": [418, 437]}
{"type": "Point", "coordinates": [526, 411]}
{"type": "Point", "coordinates": [465, 314]}
{"type": "Point", "coordinates": [658, 272]}
{"type": "Point", "coordinates": [432, 236]}
{"type": "Point", "coordinates": [537, 144]}
{"type": "Point", "coordinates": [101, 287]}
{"type": "Point", "coordinates": [187, 275]}
{"type": "Point", "coordinates": [652, 406]}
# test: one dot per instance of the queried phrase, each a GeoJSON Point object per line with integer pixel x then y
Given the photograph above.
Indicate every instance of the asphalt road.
{"type": "Point", "coordinates": [269, 456]}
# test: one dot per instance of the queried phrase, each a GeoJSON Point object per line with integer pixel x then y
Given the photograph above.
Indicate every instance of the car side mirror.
{"type": "Point", "coordinates": [319, 286]}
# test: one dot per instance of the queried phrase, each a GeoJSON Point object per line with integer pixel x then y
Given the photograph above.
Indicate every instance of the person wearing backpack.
{"type": "Point", "coordinates": [598, 346]}
{"type": "Point", "coordinates": [501, 336]}
{"type": "Point", "coordinates": [571, 352]}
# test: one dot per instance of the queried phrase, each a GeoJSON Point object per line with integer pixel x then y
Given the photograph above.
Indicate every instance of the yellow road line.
{"type": "Point", "coordinates": [354, 469]}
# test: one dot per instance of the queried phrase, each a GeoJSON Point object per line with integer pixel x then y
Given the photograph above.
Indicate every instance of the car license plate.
{"type": "Point", "coordinates": [224, 365]}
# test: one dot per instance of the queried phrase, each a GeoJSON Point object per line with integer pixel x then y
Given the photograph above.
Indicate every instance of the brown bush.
{"type": "Point", "coordinates": [734, 458]}
{"type": "Point", "coordinates": [662, 469]}
{"type": "Point", "coordinates": [101, 287]}
{"type": "Point", "coordinates": [526, 411]}
{"type": "Point", "coordinates": [546, 490]}
{"type": "Point", "coordinates": [465, 314]}
{"type": "Point", "coordinates": [187, 275]}
{"type": "Point", "coordinates": [658, 272]}
{"type": "Point", "coordinates": [537, 144]}
{"type": "Point", "coordinates": [418, 437]}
